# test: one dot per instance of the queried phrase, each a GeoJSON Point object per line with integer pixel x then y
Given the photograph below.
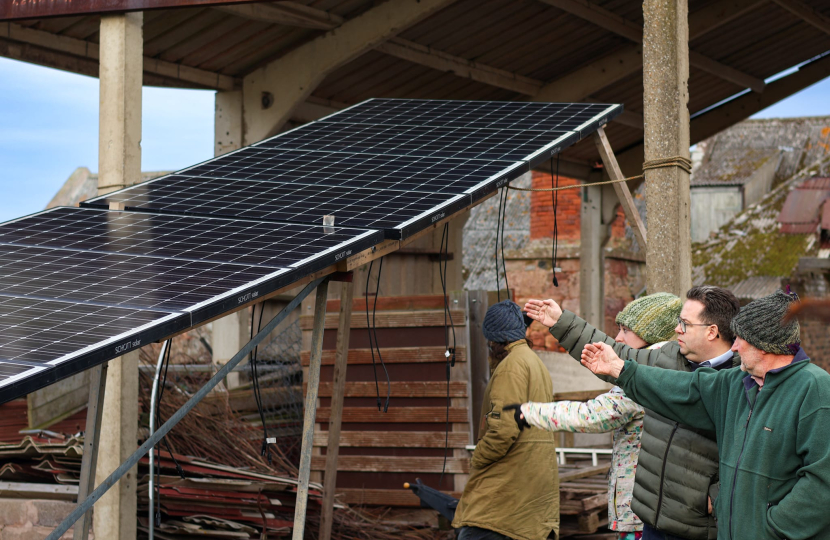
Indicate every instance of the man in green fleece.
{"type": "Point", "coordinates": [772, 422]}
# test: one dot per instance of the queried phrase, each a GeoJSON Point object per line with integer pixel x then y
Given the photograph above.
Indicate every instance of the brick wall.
{"type": "Point", "coordinates": [569, 204]}
{"type": "Point", "coordinates": [815, 340]}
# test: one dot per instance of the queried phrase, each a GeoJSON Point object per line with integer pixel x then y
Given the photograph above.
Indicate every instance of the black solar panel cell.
{"type": "Point", "coordinates": [580, 117]}
{"type": "Point", "coordinates": [341, 169]}
{"type": "Point", "coordinates": [420, 141]}
{"type": "Point", "coordinates": [275, 201]}
{"type": "Point", "coordinates": [247, 242]}
{"type": "Point", "coordinates": [118, 280]}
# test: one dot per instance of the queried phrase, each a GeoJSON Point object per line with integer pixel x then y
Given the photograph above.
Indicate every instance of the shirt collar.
{"type": "Point", "coordinates": [718, 360]}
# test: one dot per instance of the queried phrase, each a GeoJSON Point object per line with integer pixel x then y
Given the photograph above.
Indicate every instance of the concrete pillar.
{"type": "Point", "coordinates": [666, 114]}
{"type": "Point", "coordinates": [231, 332]}
{"type": "Point", "coordinates": [119, 165]}
{"type": "Point", "coordinates": [591, 261]}
{"type": "Point", "coordinates": [227, 122]}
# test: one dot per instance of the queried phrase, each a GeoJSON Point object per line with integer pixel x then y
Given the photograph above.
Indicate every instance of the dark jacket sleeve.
{"type": "Point", "coordinates": [508, 385]}
{"type": "Point", "coordinates": [689, 398]}
{"type": "Point", "coordinates": [574, 333]}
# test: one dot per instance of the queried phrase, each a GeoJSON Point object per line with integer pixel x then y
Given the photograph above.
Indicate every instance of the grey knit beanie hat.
{"type": "Point", "coordinates": [504, 323]}
{"type": "Point", "coordinates": [759, 324]}
{"type": "Point", "coordinates": [652, 317]}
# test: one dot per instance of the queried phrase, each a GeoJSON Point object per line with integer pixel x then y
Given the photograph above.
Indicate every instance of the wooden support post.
{"type": "Point", "coordinates": [89, 462]}
{"type": "Point", "coordinates": [620, 188]}
{"type": "Point", "coordinates": [310, 411]}
{"type": "Point", "coordinates": [338, 391]}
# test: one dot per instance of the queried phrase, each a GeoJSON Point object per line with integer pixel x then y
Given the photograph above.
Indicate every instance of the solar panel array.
{"type": "Point", "coordinates": [79, 286]}
{"type": "Point", "coordinates": [395, 165]}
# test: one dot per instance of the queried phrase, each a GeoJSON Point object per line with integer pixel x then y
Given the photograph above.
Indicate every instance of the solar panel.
{"type": "Point", "coordinates": [400, 213]}
{"type": "Point", "coordinates": [42, 341]}
{"type": "Point", "coordinates": [247, 242]}
{"type": "Point", "coordinates": [369, 164]}
{"type": "Point", "coordinates": [81, 286]}
{"type": "Point", "coordinates": [423, 141]}
{"type": "Point", "coordinates": [582, 118]}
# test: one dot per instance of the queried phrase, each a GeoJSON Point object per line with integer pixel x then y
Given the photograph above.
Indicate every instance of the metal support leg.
{"type": "Point", "coordinates": [94, 411]}
{"type": "Point", "coordinates": [338, 391]}
{"type": "Point", "coordinates": [310, 411]}
{"type": "Point", "coordinates": [131, 461]}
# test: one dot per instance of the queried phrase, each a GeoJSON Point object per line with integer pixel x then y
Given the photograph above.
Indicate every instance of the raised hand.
{"type": "Point", "coordinates": [546, 312]}
{"type": "Point", "coordinates": [601, 359]}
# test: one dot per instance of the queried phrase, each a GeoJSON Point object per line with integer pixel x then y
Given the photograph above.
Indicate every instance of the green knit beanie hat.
{"type": "Point", "coordinates": [652, 317]}
{"type": "Point", "coordinates": [759, 324]}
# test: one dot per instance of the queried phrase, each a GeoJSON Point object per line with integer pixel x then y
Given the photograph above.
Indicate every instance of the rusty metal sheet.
{"type": "Point", "coordinates": [800, 213]}
{"type": "Point", "coordinates": [38, 9]}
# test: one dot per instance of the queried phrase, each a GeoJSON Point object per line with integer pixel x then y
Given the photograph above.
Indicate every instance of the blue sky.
{"type": "Point", "coordinates": [49, 127]}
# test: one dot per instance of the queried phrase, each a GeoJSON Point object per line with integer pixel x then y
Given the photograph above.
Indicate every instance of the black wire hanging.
{"type": "Point", "coordinates": [373, 339]}
{"type": "Point", "coordinates": [255, 382]}
{"type": "Point", "coordinates": [503, 220]}
{"type": "Point", "coordinates": [554, 197]}
{"type": "Point", "coordinates": [443, 252]}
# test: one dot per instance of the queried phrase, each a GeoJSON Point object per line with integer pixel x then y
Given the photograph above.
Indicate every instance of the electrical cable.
{"type": "Point", "coordinates": [554, 199]}
{"type": "Point", "coordinates": [503, 264]}
{"type": "Point", "coordinates": [450, 351]}
{"type": "Point", "coordinates": [375, 332]}
{"type": "Point", "coordinates": [498, 225]}
{"type": "Point", "coordinates": [256, 390]}
{"type": "Point", "coordinates": [369, 330]}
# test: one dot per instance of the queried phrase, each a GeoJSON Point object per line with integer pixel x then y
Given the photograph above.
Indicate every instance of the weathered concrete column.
{"type": "Point", "coordinates": [666, 114]}
{"type": "Point", "coordinates": [230, 333]}
{"type": "Point", "coordinates": [119, 165]}
{"type": "Point", "coordinates": [592, 237]}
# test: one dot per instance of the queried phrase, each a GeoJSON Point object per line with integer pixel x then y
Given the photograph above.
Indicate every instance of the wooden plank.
{"type": "Point", "coordinates": [413, 464]}
{"type": "Point", "coordinates": [396, 355]}
{"type": "Point", "coordinates": [382, 497]}
{"type": "Point", "coordinates": [243, 400]}
{"type": "Point", "coordinates": [410, 389]}
{"type": "Point", "coordinates": [397, 415]}
{"type": "Point", "coordinates": [309, 411]}
{"type": "Point", "coordinates": [621, 188]}
{"type": "Point", "coordinates": [393, 319]}
{"type": "Point", "coordinates": [337, 392]}
{"type": "Point", "coordinates": [806, 14]}
{"type": "Point", "coordinates": [398, 303]}
{"type": "Point", "coordinates": [396, 439]}
{"type": "Point", "coordinates": [22, 490]}
{"type": "Point", "coordinates": [582, 472]}
{"type": "Point", "coordinates": [92, 439]}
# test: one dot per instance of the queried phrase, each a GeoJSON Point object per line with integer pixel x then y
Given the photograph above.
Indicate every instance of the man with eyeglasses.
{"type": "Point", "coordinates": [677, 475]}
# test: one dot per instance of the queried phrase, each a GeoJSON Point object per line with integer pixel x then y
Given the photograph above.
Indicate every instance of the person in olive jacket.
{"type": "Point", "coordinates": [773, 423]}
{"type": "Point", "coordinates": [513, 489]}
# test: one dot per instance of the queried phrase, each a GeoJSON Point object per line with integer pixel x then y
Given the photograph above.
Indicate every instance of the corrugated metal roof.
{"type": "Point", "coordinates": [756, 287]}
{"type": "Point", "coordinates": [800, 213]}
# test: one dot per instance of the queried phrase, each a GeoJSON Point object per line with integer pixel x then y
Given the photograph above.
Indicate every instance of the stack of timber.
{"type": "Point", "coordinates": [380, 451]}
{"type": "Point", "coordinates": [583, 499]}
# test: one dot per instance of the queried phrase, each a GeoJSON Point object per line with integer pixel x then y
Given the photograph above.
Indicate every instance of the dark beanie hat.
{"type": "Point", "coordinates": [759, 323]}
{"type": "Point", "coordinates": [504, 323]}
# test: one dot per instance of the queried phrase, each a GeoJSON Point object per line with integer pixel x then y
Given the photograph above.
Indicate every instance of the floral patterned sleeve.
{"type": "Point", "coordinates": [604, 413]}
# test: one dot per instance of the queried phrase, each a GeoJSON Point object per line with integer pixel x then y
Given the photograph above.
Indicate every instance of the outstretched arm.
{"type": "Point", "coordinates": [690, 398]}
{"type": "Point", "coordinates": [599, 415]}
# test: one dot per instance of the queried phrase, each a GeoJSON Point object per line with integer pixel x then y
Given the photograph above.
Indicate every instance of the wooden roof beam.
{"type": "Point", "coordinates": [64, 48]}
{"type": "Point", "coordinates": [806, 13]}
{"type": "Point", "coordinates": [634, 32]}
{"type": "Point", "coordinates": [628, 59]}
{"type": "Point", "coordinates": [292, 77]}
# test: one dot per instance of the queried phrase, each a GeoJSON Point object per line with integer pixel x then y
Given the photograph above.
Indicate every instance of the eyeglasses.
{"type": "Point", "coordinates": [683, 324]}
